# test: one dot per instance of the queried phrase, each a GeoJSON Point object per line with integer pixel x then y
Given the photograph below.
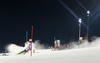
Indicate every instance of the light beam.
{"type": "Point", "coordinates": [71, 11]}
{"type": "Point", "coordinates": [83, 7]}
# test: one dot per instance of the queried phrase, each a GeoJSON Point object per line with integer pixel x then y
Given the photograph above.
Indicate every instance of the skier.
{"type": "Point", "coordinates": [28, 47]}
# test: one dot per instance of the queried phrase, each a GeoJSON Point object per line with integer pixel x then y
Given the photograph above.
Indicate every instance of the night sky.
{"type": "Point", "coordinates": [49, 18]}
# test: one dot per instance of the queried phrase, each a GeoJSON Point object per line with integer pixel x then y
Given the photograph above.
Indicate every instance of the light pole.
{"type": "Point", "coordinates": [80, 21]}
{"type": "Point", "coordinates": [88, 12]}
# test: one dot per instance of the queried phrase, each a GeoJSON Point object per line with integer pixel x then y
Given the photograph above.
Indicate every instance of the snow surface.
{"type": "Point", "coordinates": [89, 53]}
{"type": "Point", "coordinates": [84, 55]}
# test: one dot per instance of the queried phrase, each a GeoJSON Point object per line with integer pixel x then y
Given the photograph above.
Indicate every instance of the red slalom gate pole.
{"type": "Point", "coordinates": [32, 34]}
{"type": "Point", "coordinates": [32, 40]}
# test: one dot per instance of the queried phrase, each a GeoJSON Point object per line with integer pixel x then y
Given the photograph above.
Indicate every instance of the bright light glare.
{"type": "Point", "coordinates": [80, 20]}
{"type": "Point", "coordinates": [88, 12]}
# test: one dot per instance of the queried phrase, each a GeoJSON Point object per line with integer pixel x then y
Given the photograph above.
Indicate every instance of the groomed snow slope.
{"type": "Point", "coordinates": [83, 55]}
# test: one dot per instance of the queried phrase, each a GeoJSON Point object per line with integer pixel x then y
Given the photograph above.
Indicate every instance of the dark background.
{"type": "Point", "coordinates": [49, 18]}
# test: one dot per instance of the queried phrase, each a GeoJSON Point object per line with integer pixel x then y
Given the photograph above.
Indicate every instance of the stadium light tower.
{"type": "Point", "coordinates": [80, 21]}
{"type": "Point", "coordinates": [88, 12]}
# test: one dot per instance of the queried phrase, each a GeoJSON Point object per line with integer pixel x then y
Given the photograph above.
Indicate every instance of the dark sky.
{"type": "Point", "coordinates": [49, 18]}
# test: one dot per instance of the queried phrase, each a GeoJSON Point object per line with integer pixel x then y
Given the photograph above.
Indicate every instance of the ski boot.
{"type": "Point", "coordinates": [24, 53]}
{"type": "Point", "coordinates": [18, 53]}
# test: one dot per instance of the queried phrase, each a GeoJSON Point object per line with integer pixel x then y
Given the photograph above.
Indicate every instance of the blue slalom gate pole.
{"type": "Point", "coordinates": [26, 36]}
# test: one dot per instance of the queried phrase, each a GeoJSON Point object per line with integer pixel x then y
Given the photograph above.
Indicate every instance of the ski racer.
{"type": "Point", "coordinates": [27, 47]}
